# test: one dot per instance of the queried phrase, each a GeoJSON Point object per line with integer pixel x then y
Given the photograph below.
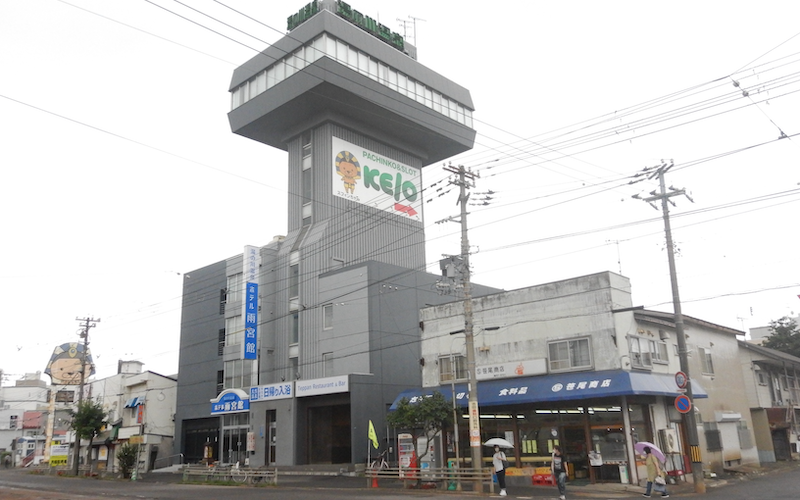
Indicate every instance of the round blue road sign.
{"type": "Point", "coordinates": [683, 404]}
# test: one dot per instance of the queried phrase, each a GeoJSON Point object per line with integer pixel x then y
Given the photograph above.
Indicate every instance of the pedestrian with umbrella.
{"type": "Point", "coordinates": [654, 473]}
{"type": "Point", "coordinates": [500, 461]}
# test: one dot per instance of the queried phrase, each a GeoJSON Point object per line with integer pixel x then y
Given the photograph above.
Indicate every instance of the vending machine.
{"type": "Point", "coordinates": [431, 459]}
{"type": "Point", "coordinates": [406, 455]}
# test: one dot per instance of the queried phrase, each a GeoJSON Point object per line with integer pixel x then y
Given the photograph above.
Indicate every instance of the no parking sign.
{"type": "Point", "coordinates": [683, 404]}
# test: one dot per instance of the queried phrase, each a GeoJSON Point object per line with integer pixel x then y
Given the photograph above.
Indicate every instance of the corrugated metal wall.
{"type": "Point", "coordinates": [342, 233]}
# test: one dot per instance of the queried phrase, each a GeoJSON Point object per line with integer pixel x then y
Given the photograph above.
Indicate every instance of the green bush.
{"type": "Point", "coordinates": [127, 456]}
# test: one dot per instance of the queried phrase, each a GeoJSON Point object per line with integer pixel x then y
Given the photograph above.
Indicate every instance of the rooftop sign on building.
{"type": "Point", "coordinates": [343, 10]}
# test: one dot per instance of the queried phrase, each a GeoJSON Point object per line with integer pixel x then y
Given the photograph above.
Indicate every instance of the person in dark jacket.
{"type": "Point", "coordinates": [558, 466]}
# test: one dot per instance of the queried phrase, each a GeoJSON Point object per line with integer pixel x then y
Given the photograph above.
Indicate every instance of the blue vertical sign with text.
{"type": "Point", "coordinates": [251, 262]}
{"type": "Point", "coordinates": [251, 321]}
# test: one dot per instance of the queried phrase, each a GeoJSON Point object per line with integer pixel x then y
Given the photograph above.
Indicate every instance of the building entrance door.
{"type": "Point", "coordinates": [272, 437]}
{"type": "Point", "coordinates": [329, 434]}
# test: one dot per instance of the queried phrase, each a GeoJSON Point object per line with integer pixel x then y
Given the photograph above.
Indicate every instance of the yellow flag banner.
{"type": "Point", "coordinates": [372, 436]}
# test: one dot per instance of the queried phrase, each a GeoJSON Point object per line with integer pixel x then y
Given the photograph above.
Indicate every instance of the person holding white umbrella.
{"type": "Point", "coordinates": [499, 461]}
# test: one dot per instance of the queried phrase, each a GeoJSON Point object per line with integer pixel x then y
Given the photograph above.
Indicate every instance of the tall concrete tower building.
{"type": "Point", "coordinates": [296, 346]}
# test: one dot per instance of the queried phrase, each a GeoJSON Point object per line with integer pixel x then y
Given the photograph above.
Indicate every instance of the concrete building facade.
{"type": "Point", "coordinates": [140, 408]}
{"type": "Point", "coordinates": [773, 391]}
{"type": "Point", "coordinates": [23, 416]}
{"type": "Point", "coordinates": [574, 363]}
{"type": "Point", "coordinates": [289, 350]}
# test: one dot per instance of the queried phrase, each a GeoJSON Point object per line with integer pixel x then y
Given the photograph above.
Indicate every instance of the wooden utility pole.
{"type": "Point", "coordinates": [86, 324]}
{"type": "Point", "coordinates": [689, 422]}
{"type": "Point", "coordinates": [464, 180]}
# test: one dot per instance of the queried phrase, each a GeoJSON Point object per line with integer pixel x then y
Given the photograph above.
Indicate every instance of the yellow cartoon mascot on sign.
{"type": "Point", "coordinates": [347, 166]}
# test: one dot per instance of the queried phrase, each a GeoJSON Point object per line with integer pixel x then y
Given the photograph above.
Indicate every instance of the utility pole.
{"type": "Point", "coordinates": [86, 324]}
{"type": "Point", "coordinates": [689, 421]}
{"type": "Point", "coordinates": [464, 180]}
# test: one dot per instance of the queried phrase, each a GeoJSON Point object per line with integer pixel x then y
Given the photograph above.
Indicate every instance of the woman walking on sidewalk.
{"type": "Point", "coordinates": [653, 473]}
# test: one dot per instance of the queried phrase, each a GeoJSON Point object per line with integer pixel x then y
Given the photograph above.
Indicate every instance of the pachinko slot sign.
{"type": "Point", "coordinates": [366, 177]}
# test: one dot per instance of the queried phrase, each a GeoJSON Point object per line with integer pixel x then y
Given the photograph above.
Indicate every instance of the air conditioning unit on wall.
{"type": "Point", "coordinates": [669, 441]}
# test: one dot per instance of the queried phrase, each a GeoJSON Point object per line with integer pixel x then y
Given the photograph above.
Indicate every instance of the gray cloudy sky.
{"type": "Point", "coordinates": [119, 172]}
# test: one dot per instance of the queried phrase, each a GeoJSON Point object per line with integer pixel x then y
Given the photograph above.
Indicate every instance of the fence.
{"type": "Point", "coordinates": [445, 478]}
{"type": "Point", "coordinates": [237, 475]}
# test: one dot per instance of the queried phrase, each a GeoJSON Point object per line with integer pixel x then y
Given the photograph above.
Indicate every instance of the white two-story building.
{"type": "Point", "coordinates": [574, 363]}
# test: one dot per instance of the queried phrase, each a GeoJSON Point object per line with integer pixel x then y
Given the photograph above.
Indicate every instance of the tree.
{"type": "Point", "coordinates": [127, 456]}
{"type": "Point", "coordinates": [425, 417]}
{"type": "Point", "coordinates": [784, 336]}
{"type": "Point", "coordinates": [87, 422]}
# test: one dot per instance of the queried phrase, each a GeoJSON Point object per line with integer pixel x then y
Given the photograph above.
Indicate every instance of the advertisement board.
{"type": "Point", "coordinates": [368, 178]}
{"type": "Point", "coordinates": [251, 262]}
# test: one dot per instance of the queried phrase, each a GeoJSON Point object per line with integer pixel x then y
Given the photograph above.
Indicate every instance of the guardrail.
{"type": "Point", "coordinates": [234, 474]}
{"type": "Point", "coordinates": [445, 478]}
{"type": "Point", "coordinates": [61, 470]}
{"type": "Point", "coordinates": [169, 463]}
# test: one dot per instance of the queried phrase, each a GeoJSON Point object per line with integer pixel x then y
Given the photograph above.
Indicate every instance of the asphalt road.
{"type": "Point", "coordinates": [782, 484]}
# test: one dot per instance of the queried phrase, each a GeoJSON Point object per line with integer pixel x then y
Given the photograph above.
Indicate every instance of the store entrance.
{"type": "Point", "coordinates": [329, 434]}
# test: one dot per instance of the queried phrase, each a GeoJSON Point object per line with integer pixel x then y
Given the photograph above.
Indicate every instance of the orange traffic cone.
{"type": "Point", "coordinates": [374, 480]}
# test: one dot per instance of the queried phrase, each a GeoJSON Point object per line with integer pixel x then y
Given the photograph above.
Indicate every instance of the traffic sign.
{"type": "Point", "coordinates": [681, 380]}
{"type": "Point", "coordinates": [683, 404]}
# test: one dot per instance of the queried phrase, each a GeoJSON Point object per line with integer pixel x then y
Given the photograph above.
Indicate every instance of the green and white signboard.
{"type": "Point", "coordinates": [366, 177]}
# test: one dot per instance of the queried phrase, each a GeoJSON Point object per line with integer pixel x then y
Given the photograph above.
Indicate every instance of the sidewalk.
{"type": "Point", "coordinates": [518, 487]}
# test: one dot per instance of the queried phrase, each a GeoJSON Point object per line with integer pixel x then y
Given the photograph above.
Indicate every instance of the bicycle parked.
{"type": "Point", "coordinates": [380, 462]}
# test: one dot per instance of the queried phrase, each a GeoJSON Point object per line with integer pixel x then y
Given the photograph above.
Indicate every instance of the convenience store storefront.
{"type": "Point", "coordinates": [589, 414]}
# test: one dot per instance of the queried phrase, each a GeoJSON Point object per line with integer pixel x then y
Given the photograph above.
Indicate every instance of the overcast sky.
{"type": "Point", "coordinates": [119, 172]}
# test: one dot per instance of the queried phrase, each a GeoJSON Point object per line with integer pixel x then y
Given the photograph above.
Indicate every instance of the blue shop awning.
{"type": "Point", "coordinates": [560, 387]}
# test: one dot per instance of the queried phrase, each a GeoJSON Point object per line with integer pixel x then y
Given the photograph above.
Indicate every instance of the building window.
{"type": "Point", "coordinates": [239, 373]}
{"type": "Point", "coordinates": [327, 316]}
{"type": "Point", "coordinates": [234, 330]}
{"type": "Point", "coordinates": [294, 280]}
{"type": "Point", "coordinates": [763, 379]}
{"type": "Point", "coordinates": [641, 355]}
{"type": "Point", "coordinates": [220, 381]}
{"type": "Point", "coordinates": [745, 442]}
{"type": "Point", "coordinates": [326, 45]}
{"type": "Point", "coordinates": [570, 355]}
{"type": "Point", "coordinates": [661, 352]}
{"type": "Point", "coordinates": [327, 364]}
{"type": "Point", "coordinates": [306, 181]}
{"type": "Point", "coordinates": [294, 327]}
{"type": "Point", "coordinates": [221, 342]}
{"type": "Point", "coordinates": [223, 298]}
{"type": "Point", "coordinates": [235, 290]}
{"type": "Point", "coordinates": [713, 437]}
{"type": "Point", "coordinates": [705, 360]}
{"type": "Point", "coordinates": [452, 368]}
